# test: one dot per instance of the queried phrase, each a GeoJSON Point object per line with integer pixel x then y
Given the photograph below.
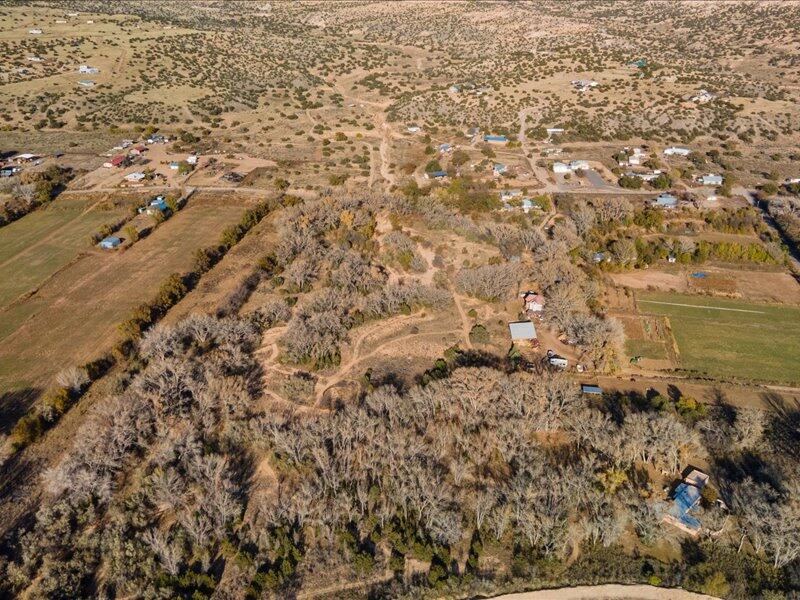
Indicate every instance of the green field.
{"type": "Point", "coordinates": [42, 242]}
{"type": "Point", "coordinates": [645, 349]}
{"type": "Point", "coordinates": [730, 338]}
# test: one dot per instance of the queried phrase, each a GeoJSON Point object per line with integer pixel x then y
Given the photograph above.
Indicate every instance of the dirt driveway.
{"type": "Point", "coordinates": [608, 592]}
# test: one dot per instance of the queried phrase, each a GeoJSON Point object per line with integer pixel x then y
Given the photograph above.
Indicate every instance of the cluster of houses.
{"type": "Point", "coordinates": [514, 200]}
{"type": "Point", "coordinates": [570, 167]}
{"type": "Point", "coordinates": [632, 157]}
{"type": "Point", "coordinates": [15, 163]}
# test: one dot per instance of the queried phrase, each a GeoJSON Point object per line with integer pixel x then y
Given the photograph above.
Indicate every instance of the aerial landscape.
{"type": "Point", "coordinates": [400, 299]}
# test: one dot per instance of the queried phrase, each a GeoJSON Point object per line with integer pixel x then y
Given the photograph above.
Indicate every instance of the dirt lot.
{"type": "Point", "coordinates": [73, 317]}
{"type": "Point", "coordinates": [759, 286]}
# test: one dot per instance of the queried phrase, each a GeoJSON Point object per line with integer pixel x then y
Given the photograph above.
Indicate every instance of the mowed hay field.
{"type": "Point", "coordinates": [73, 317]}
{"type": "Point", "coordinates": [36, 246]}
{"type": "Point", "coordinates": [730, 338]}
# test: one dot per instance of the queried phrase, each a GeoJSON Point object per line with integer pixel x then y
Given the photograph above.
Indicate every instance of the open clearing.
{"type": "Point", "coordinates": [44, 241]}
{"type": "Point", "coordinates": [730, 338]}
{"type": "Point", "coordinates": [73, 317]}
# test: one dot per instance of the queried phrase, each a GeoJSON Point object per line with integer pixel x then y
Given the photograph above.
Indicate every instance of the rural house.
{"type": "Point", "coordinates": [87, 70]}
{"type": "Point", "coordinates": [116, 161]}
{"type": "Point", "coordinates": [495, 139]}
{"type": "Point", "coordinates": [135, 177]}
{"type": "Point", "coordinates": [710, 179]}
{"type": "Point", "coordinates": [534, 303]}
{"type": "Point", "coordinates": [677, 151]}
{"type": "Point", "coordinates": [685, 498]}
{"type": "Point", "coordinates": [667, 201]}
{"type": "Point", "coordinates": [499, 169]}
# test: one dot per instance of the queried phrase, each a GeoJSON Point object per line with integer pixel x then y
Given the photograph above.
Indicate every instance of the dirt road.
{"type": "Point", "coordinates": [608, 592]}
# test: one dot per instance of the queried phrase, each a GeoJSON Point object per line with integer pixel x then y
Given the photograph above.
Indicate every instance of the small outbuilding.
{"type": "Point", "coordinates": [495, 139]}
{"type": "Point", "coordinates": [110, 242]}
{"type": "Point", "coordinates": [592, 390]}
{"type": "Point", "coordinates": [523, 332]}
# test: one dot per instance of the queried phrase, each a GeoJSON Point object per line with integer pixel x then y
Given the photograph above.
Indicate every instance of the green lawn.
{"type": "Point", "coordinates": [751, 341]}
{"type": "Point", "coordinates": [42, 242]}
{"type": "Point", "coordinates": [645, 349]}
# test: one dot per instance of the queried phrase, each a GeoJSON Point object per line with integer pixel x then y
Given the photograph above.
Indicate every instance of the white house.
{"type": "Point", "coordinates": [702, 96]}
{"type": "Point", "coordinates": [583, 85]}
{"type": "Point", "coordinates": [135, 177]}
{"type": "Point", "coordinates": [191, 159]}
{"type": "Point", "coordinates": [677, 151]}
{"type": "Point", "coordinates": [414, 129]}
{"type": "Point", "coordinates": [87, 70]}
{"type": "Point", "coordinates": [35, 58]}
{"type": "Point", "coordinates": [578, 165]}
{"type": "Point", "coordinates": [665, 201]}
{"type": "Point", "coordinates": [86, 83]}
{"type": "Point", "coordinates": [560, 167]}
{"type": "Point", "coordinates": [551, 131]}
{"type": "Point", "coordinates": [710, 179]}
{"type": "Point", "coordinates": [35, 31]}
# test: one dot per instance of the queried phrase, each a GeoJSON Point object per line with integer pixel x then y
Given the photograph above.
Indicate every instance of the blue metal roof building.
{"type": "Point", "coordinates": [591, 389]}
{"type": "Point", "coordinates": [495, 138]}
{"type": "Point", "coordinates": [110, 242]}
{"type": "Point", "coordinates": [685, 499]}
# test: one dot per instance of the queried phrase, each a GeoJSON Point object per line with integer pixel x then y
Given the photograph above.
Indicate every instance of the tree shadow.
{"type": "Point", "coordinates": [783, 426]}
{"type": "Point", "coordinates": [14, 405]}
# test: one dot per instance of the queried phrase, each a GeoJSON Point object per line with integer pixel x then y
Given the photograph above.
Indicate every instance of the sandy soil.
{"type": "Point", "coordinates": [608, 592]}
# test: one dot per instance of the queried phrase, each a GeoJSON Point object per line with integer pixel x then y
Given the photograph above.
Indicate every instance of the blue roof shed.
{"type": "Point", "coordinates": [591, 389]}
{"type": "Point", "coordinates": [495, 138]}
{"type": "Point", "coordinates": [110, 242]}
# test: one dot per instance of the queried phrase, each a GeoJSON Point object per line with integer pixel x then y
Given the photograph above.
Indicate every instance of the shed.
{"type": "Point", "coordinates": [110, 242]}
{"type": "Point", "coordinates": [558, 361]}
{"type": "Point", "coordinates": [495, 139]}
{"type": "Point", "coordinates": [560, 167]}
{"type": "Point", "coordinates": [522, 331]}
{"type": "Point", "coordinates": [499, 169]}
{"type": "Point", "coordinates": [435, 174]}
{"type": "Point", "coordinates": [594, 390]}
{"type": "Point", "coordinates": [138, 176]}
